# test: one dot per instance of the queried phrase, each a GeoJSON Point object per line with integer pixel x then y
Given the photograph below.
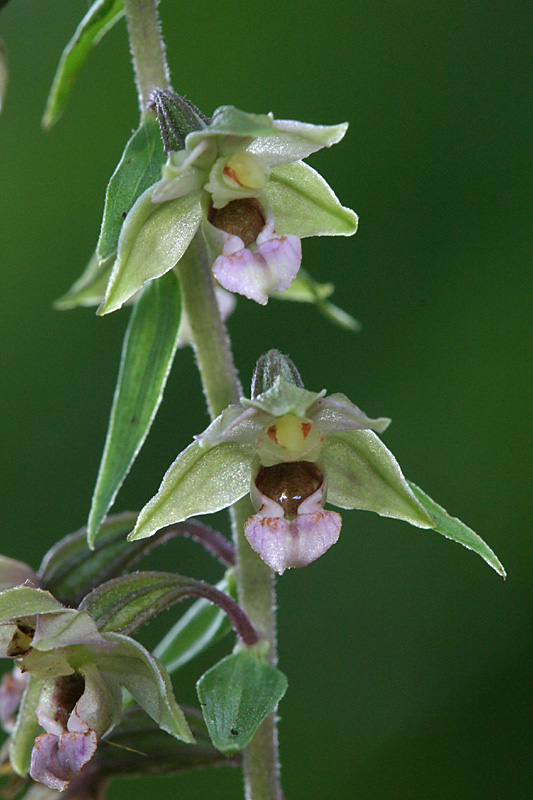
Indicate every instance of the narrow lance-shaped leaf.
{"type": "Point", "coordinates": [139, 168]}
{"type": "Point", "coordinates": [236, 695]}
{"type": "Point", "coordinates": [149, 346]}
{"type": "Point", "coordinates": [453, 528]}
{"type": "Point", "coordinates": [100, 18]}
{"type": "Point", "coordinates": [127, 603]}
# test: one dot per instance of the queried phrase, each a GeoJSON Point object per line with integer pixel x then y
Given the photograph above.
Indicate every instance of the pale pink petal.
{"type": "Point", "coordinates": [283, 256]}
{"type": "Point", "coordinates": [282, 544]}
{"type": "Point", "coordinates": [56, 760]}
{"type": "Point", "coordinates": [242, 272]}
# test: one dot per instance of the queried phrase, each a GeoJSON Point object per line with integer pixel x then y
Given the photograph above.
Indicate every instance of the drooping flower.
{"type": "Point", "coordinates": [293, 450]}
{"type": "Point", "coordinates": [74, 686]}
{"type": "Point", "coordinates": [242, 181]}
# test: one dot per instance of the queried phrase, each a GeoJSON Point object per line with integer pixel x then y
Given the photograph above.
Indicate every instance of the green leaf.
{"type": "Point", "coordinates": [454, 529]}
{"type": "Point", "coordinates": [89, 289]}
{"type": "Point", "coordinates": [23, 601]}
{"type": "Point", "coordinates": [236, 696]}
{"type": "Point", "coordinates": [200, 481]}
{"type": "Point", "coordinates": [202, 625]}
{"type": "Point", "coordinates": [147, 354]}
{"type": "Point", "coordinates": [100, 18]}
{"type": "Point", "coordinates": [152, 241]}
{"type": "Point", "coordinates": [305, 205]}
{"type": "Point", "coordinates": [306, 290]}
{"type": "Point", "coordinates": [26, 728]}
{"type": "Point", "coordinates": [363, 473]}
{"type": "Point", "coordinates": [138, 169]}
{"type": "Point", "coordinates": [128, 602]}
{"type": "Point", "coordinates": [147, 681]}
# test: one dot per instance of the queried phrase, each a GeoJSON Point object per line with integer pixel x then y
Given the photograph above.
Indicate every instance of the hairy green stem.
{"type": "Point", "coordinates": [254, 579]}
{"type": "Point", "coordinates": [210, 339]}
{"type": "Point", "coordinates": [147, 49]}
{"type": "Point", "coordinates": [221, 387]}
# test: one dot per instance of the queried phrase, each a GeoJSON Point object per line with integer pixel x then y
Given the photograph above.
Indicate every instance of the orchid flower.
{"type": "Point", "coordinates": [75, 678]}
{"type": "Point", "coordinates": [292, 450]}
{"type": "Point", "coordinates": [242, 181]}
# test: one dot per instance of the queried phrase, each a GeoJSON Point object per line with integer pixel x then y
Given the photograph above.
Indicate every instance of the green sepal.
{"type": "Point", "coordinates": [100, 18]}
{"type": "Point", "coordinates": [453, 528]}
{"type": "Point", "coordinates": [200, 481]}
{"type": "Point", "coordinates": [305, 205]}
{"type": "Point", "coordinates": [146, 679]}
{"type": "Point", "coordinates": [202, 625]}
{"type": "Point", "coordinates": [149, 347]}
{"type": "Point", "coordinates": [152, 241]}
{"type": "Point", "coordinates": [138, 169]}
{"type": "Point", "coordinates": [89, 289]}
{"type": "Point", "coordinates": [304, 289]}
{"type": "Point", "coordinates": [125, 604]}
{"type": "Point", "coordinates": [236, 696]}
{"type": "Point", "coordinates": [26, 728]}
{"type": "Point", "coordinates": [362, 473]}
{"type": "Point", "coordinates": [230, 121]}
{"type": "Point", "coordinates": [24, 601]}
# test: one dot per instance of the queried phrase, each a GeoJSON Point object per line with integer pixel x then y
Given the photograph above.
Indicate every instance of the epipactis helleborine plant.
{"type": "Point", "coordinates": [241, 181]}
{"type": "Point", "coordinates": [291, 450]}
{"type": "Point", "coordinates": [74, 687]}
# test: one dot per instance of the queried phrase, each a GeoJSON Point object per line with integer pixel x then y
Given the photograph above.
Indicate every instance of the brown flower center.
{"type": "Point", "coordinates": [289, 484]}
{"type": "Point", "coordinates": [242, 218]}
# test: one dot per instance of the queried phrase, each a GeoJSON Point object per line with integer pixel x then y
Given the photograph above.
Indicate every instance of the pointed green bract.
{"type": "Point", "coordinates": [89, 289]}
{"type": "Point", "coordinates": [305, 205]}
{"type": "Point", "coordinates": [362, 473]}
{"type": "Point", "coordinates": [26, 728]}
{"type": "Point", "coordinates": [202, 625]}
{"type": "Point", "coordinates": [453, 528]}
{"type": "Point", "coordinates": [100, 18]}
{"type": "Point", "coordinates": [147, 681]}
{"type": "Point", "coordinates": [236, 696]}
{"type": "Point", "coordinates": [149, 347]}
{"type": "Point", "coordinates": [138, 169]}
{"type": "Point", "coordinates": [199, 481]}
{"type": "Point", "coordinates": [152, 241]}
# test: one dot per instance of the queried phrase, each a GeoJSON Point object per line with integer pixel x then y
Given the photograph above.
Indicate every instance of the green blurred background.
{"type": "Point", "coordinates": [407, 656]}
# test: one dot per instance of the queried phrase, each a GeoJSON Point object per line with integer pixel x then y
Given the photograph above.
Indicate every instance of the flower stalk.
{"type": "Point", "coordinates": [147, 50]}
{"type": "Point", "coordinates": [221, 387]}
